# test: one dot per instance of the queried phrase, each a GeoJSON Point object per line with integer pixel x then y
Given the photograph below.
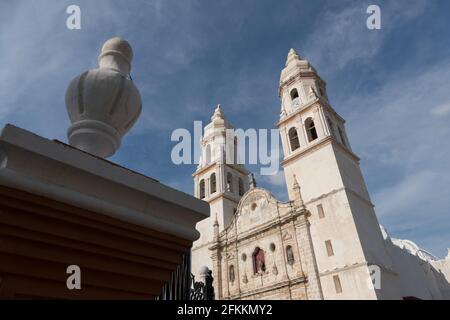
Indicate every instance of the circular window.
{"type": "Point", "coordinates": [253, 207]}
{"type": "Point", "coordinates": [244, 257]}
{"type": "Point", "coordinates": [272, 247]}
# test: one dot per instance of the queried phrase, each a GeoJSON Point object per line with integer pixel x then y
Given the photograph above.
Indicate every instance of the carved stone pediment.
{"type": "Point", "coordinates": [256, 208]}
{"type": "Point", "coordinates": [256, 199]}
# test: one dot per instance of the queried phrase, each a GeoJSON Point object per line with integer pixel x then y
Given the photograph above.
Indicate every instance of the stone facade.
{"type": "Point", "coordinates": [275, 268]}
{"type": "Point", "coordinates": [326, 241]}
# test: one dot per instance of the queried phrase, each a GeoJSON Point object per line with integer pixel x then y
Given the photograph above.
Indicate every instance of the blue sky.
{"type": "Point", "coordinates": [391, 85]}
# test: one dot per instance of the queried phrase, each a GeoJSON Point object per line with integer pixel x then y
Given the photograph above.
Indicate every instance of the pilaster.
{"type": "Point", "coordinates": [308, 259]}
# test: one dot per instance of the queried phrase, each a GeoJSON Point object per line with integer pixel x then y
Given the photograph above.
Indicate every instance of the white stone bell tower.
{"type": "Point", "coordinates": [344, 228]}
{"type": "Point", "coordinates": [220, 181]}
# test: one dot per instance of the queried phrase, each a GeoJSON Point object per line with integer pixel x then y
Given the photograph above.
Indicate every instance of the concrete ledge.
{"type": "Point", "coordinates": [58, 171]}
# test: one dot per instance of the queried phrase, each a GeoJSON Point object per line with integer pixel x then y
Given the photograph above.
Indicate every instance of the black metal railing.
{"type": "Point", "coordinates": [182, 284]}
{"type": "Point", "coordinates": [202, 290]}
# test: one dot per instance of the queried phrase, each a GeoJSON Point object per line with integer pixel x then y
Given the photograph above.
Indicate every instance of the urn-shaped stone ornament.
{"type": "Point", "coordinates": [103, 104]}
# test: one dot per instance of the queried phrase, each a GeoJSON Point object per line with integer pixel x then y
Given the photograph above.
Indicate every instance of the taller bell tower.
{"type": "Point", "coordinates": [220, 181]}
{"type": "Point", "coordinates": [346, 236]}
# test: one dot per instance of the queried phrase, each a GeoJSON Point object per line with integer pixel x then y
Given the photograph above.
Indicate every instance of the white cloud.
{"type": "Point", "coordinates": [407, 151]}
{"type": "Point", "coordinates": [40, 56]}
{"type": "Point", "coordinates": [404, 150]}
{"type": "Point", "coordinates": [441, 110]}
{"type": "Point", "coordinates": [341, 37]}
{"type": "Point", "coordinates": [409, 193]}
{"type": "Point", "coordinates": [276, 180]}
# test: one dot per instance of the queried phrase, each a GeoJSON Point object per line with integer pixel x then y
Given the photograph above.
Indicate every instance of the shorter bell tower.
{"type": "Point", "coordinates": [220, 181]}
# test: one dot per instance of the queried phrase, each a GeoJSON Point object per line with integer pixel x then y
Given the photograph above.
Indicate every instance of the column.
{"type": "Point", "coordinates": [308, 259]}
{"type": "Point", "coordinates": [196, 188]}
{"type": "Point", "coordinates": [301, 131]}
{"type": "Point", "coordinates": [327, 130]}
{"type": "Point", "coordinates": [285, 140]}
{"type": "Point", "coordinates": [217, 271]}
{"type": "Point", "coordinates": [318, 123]}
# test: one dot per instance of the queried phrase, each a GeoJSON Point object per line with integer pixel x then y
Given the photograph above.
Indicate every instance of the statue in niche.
{"type": "Point", "coordinates": [259, 263]}
{"type": "Point", "coordinates": [290, 255]}
{"type": "Point", "coordinates": [232, 275]}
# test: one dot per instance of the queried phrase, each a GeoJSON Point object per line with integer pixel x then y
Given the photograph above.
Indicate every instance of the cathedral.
{"type": "Point", "coordinates": [326, 241]}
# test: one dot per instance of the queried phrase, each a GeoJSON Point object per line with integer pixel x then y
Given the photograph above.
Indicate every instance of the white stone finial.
{"type": "Point", "coordinates": [203, 274]}
{"type": "Point", "coordinates": [216, 228]}
{"type": "Point", "coordinates": [292, 55]}
{"type": "Point", "coordinates": [216, 221]}
{"type": "Point", "coordinates": [116, 54]}
{"type": "Point", "coordinates": [103, 104]}
{"type": "Point", "coordinates": [298, 194]}
{"type": "Point", "coordinates": [292, 51]}
{"type": "Point", "coordinates": [312, 93]}
{"type": "Point", "coordinates": [218, 113]}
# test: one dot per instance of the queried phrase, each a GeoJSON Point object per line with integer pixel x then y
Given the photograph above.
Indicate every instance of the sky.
{"type": "Point", "coordinates": [391, 85]}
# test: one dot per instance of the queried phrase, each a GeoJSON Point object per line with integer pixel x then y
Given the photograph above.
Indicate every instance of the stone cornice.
{"type": "Point", "coordinates": [238, 167]}
{"type": "Point", "coordinates": [320, 101]}
{"type": "Point", "coordinates": [296, 76]}
{"type": "Point", "coordinates": [219, 195]}
{"type": "Point", "coordinates": [339, 190]}
{"type": "Point", "coordinates": [315, 146]}
{"type": "Point", "coordinates": [342, 268]}
{"type": "Point", "coordinates": [63, 173]}
{"type": "Point", "coordinates": [205, 168]}
{"type": "Point", "coordinates": [276, 286]}
{"type": "Point", "coordinates": [355, 265]}
{"type": "Point", "coordinates": [305, 107]}
{"type": "Point", "coordinates": [283, 220]}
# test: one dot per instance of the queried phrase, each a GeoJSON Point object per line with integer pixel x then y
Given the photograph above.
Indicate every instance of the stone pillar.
{"type": "Point", "coordinates": [284, 139]}
{"type": "Point", "coordinates": [308, 259]}
{"type": "Point", "coordinates": [220, 178]}
{"type": "Point", "coordinates": [318, 123]}
{"type": "Point", "coordinates": [217, 271]}
{"type": "Point", "coordinates": [301, 131]}
{"type": "Point", "coordinates": [236, 261]}
{"type": "Point", "coordinates": [216, 258]}
{"type": "Point", "coordinates": [326, 127]}
{"type": "Point", "coordinates": [196, 188]}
